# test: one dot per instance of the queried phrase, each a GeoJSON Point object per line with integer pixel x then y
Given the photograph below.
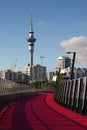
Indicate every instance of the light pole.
{"type": "Point", "coordinates": [73, 62]}
{"type": "Point", "coordinates": [41, 57]}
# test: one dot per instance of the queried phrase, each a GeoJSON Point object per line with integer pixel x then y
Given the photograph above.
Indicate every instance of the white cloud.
{"type": "Point", "coordinates": [78, 45]}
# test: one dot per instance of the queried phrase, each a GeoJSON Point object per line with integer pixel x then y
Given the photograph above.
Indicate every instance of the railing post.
{"type": "Point", "coordinates": [63, 93]}
{"type": "Point", "coordinates": [66, 91]}
{"type": "Point", "coordinates": [69, 92]}
{"type": "Point", "coordinates": [76, 95]}
{"type": "Point", "coordinates": [85, 100]}
{"type": "Point", "coordinates": [72, 93]}
{"type": "Point", "coordinates": [81, 95]}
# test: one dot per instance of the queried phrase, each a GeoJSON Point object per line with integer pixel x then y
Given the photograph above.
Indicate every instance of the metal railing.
{"type": "Point", "coordinates": [73, 94]}
{"type": "Point", "coordinates": [11, 92]}
{"type": "Point", "coordinates": [9, 87]}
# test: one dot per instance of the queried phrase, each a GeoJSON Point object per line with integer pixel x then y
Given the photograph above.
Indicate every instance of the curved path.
{"type": "Point", "coordinates": [40, 112]}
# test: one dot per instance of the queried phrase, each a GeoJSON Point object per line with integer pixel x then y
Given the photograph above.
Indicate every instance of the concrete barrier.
{"type": "Point", "coordinates": [7, 99]}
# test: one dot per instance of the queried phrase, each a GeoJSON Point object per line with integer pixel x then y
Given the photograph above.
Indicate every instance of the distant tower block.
{"type": "Point", "coordinates": [31, 41]}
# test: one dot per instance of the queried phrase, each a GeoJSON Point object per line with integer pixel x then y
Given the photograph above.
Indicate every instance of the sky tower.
{"type": "Point", "coordinates": [31, 41]}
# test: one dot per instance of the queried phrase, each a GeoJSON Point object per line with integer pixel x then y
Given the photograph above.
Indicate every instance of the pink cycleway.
{"type": "Point", "coordinates": [40, 112]}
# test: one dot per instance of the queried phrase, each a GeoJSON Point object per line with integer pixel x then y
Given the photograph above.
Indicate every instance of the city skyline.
{"type": "Point", "coordinates": [59, 26]}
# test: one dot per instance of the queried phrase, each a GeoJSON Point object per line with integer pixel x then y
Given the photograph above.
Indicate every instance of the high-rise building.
{"type": "Point", "coordinates": [31, 41]}
{"type": "Point", "coordinates": [13, 76]}
{"type": "Point", "coordinates": [64, 62]}
{"type": "Point", "coordinates": [38, 72]}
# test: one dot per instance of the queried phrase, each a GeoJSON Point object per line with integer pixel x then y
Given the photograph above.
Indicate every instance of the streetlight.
{"type": "Point", "coordinates": [73, 62]}
{"type": "Point", "coordinates": [41, 57]}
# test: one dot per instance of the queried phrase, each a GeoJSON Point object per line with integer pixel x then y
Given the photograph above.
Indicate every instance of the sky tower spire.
{"type": "Point", "coordinates": [31, 27]}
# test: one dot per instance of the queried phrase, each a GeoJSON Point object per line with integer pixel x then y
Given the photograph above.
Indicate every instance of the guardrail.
{"type": "Point", "coordinates": [73, 95]}
{"type": "Point", "coordinates": [11, 92]}
{"type": "Point", "coordinates": [8, 87]}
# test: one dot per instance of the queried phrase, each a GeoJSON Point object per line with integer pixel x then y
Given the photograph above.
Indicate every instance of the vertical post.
{"type": "Point", "coordinates": [42, 57]}
{"type": "Point", "coordinates": [73, 62]}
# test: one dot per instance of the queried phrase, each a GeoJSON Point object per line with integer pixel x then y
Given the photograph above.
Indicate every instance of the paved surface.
{"type": "Point", "coordinates": [40, 112]}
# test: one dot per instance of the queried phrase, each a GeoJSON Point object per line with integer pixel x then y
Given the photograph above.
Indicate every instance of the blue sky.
{"type": "Point", "coordinates": [59, 26]}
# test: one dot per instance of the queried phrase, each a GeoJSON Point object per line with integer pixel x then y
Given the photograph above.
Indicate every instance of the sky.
{"type": "Point", "coordinates": [59, 26]}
